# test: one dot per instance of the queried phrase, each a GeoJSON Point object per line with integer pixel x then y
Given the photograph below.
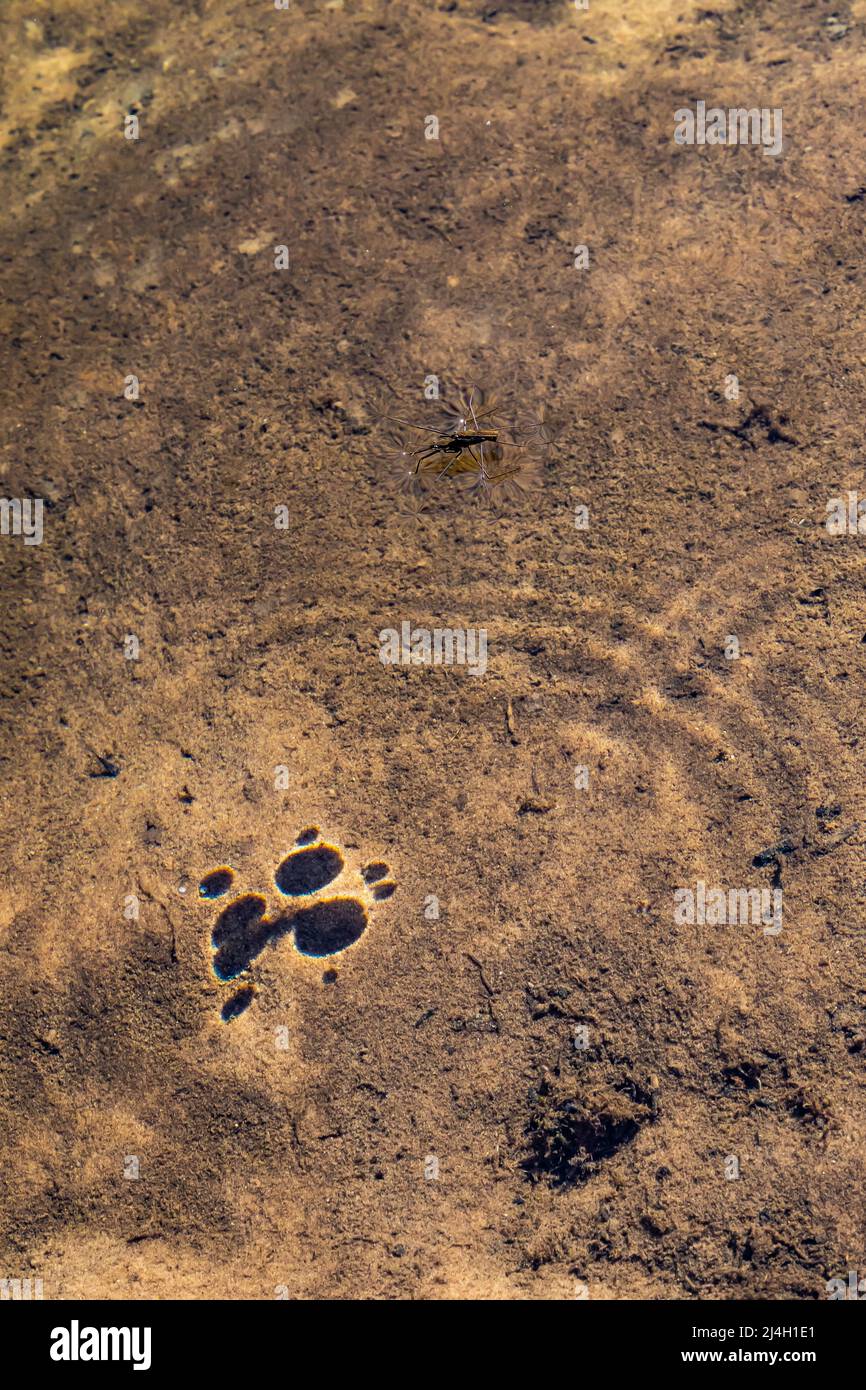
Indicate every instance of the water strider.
{"type": "Point", "coordinates": [468, 443]}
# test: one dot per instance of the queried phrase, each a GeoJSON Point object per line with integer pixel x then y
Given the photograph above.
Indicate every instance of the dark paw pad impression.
{"type": "Point", "coordinates": [325, 928]}
{"type": "Point", "coordinates": [374, 872]}
{"type": "Point", "coordinates": [242, 931]}
{"type": "Point", "coordinates": [307, 871]}
{"type": "Point", "coordinates": [373, 876]}
{"type": "Point", "coordinates": [238, 1003]}
{"type": "Point", "coordinates": [216, 883]}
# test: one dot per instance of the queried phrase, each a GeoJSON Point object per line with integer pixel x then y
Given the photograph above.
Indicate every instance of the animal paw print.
{"type": "Point", "coordinates": [322, 927]}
